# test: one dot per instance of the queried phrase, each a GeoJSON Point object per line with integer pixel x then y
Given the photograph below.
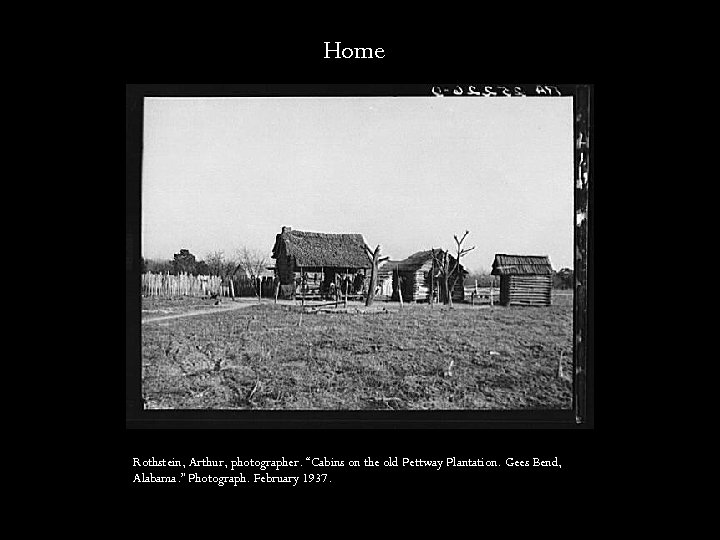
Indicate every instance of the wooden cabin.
{"type": "Point", "coordinates": [525, 280]}
{"type": "Point", "coordinates": [419, 278]}
{"type": "Point", "coordinates": [326, 260]}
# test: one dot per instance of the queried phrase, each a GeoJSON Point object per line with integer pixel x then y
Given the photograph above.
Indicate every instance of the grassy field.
{"type": "Point", "coordinates": [260, 357]}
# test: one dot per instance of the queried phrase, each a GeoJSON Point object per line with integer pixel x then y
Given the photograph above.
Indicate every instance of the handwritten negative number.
{"type": "Point", "coordinates": [490, 91]}
{"type": "Point", "coordinates": [547, 90]}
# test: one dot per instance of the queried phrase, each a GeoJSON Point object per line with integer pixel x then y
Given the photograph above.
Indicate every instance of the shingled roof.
{"type": "Point", "coordinates": [504, 265]}
{"type": "Point", "coordinates": [311, 249]}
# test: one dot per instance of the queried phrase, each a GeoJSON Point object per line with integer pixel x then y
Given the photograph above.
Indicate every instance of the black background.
{"type": "Point", "coordinates": [282, 58]}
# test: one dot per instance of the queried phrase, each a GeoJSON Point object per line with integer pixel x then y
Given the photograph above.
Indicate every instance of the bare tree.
{"type": "Point", "coordinates": [375, 260]}
{"type": "Point", "coordinates": [215, 261]}
{"type": "Point", "coordinates": [218, 264]}
{"type": "Point", "coordinates": [448, 270]}
{"type": "Point", "coordinates": [252, 262]}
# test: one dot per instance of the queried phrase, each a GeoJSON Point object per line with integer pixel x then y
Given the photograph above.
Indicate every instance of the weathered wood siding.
{"type": "Point", "coordinates": [525, 290]}
{"type": "Point", "coordinates": [416, 285]}
{"type": "Point", "coordinates": [420, 289]}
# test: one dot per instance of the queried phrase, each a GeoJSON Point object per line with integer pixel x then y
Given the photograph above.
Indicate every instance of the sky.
{"type": "Point", "coordinates": [405, 172]}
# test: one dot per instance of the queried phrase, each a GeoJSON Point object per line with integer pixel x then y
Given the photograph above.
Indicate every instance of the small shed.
{"type": "Point", "coordinates": [525, 280]}
{"type": "Point", "coordinates": [324, 258]}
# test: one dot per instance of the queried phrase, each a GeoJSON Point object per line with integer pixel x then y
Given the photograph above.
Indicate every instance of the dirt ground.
{"type": "Point", "coordinates": [272, 356]}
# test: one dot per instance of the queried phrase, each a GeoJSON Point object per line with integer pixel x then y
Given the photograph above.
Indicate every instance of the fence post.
{"type": "Point", "coordinates": [432, 283]}
{"type": "Point", "coordinates": [400, 280]}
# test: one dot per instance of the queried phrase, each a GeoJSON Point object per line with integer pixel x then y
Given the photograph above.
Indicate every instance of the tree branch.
{"type": "Point", "coordinates": [457, 263]}
{"type": "Point", "coordinates": [460, 254]}
{"type": "Point", "coordinates": [435, 261]}
{"type": "Point", "coordinates": [368, 252]}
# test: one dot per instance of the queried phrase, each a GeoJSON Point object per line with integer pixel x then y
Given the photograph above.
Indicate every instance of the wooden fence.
{"type": "Point", "coordinates": [180, 285]}
{"type": "Point", "coordinates": [481, 295]}
{"type": "Point", "coordinates": [169, 285]}
{"type": "Point", "coordinates": [243, 286]}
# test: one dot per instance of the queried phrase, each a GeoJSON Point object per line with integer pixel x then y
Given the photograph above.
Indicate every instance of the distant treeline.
{"type": "Point", "coordinates": [563, 278]}
{"type": "Point", "coordinates": [251, 263]}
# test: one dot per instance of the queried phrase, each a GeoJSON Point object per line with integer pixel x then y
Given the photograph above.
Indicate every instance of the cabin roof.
{"type": "Point", "coordinates": [312, 249]}
{"type": "Point", "coordinates": [416, 261]}
{"type": "Point", "coordinates": [504, 265]}
{"type": "Point", "coordinates": [413, 262]}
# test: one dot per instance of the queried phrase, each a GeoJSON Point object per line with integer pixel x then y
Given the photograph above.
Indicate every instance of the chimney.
{"type": "Point", "coordinates": [286, 229]}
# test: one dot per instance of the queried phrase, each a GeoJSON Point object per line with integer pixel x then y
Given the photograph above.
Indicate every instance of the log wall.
{"type": "Point", "coordinates": [417, 286]}
{"type": "Point", "coordinates": [420, 290]}
{"type": "Point", "coordinates": [525, 290]}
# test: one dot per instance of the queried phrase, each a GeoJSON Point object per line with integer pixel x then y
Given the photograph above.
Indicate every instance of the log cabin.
{"type": "Point", "coordinates": [325, 259]}
{"type": "Point", "coordinates": [419, 276]}
{"type": "Point", "coordinates": [525, 280]}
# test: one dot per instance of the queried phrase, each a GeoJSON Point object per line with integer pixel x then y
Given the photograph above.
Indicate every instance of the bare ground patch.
{"type": "Point", "coordinates": [260, 358]}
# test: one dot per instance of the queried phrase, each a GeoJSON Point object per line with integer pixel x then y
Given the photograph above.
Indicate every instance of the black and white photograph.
{"type": "Point", "coordinates": [375, 253]}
